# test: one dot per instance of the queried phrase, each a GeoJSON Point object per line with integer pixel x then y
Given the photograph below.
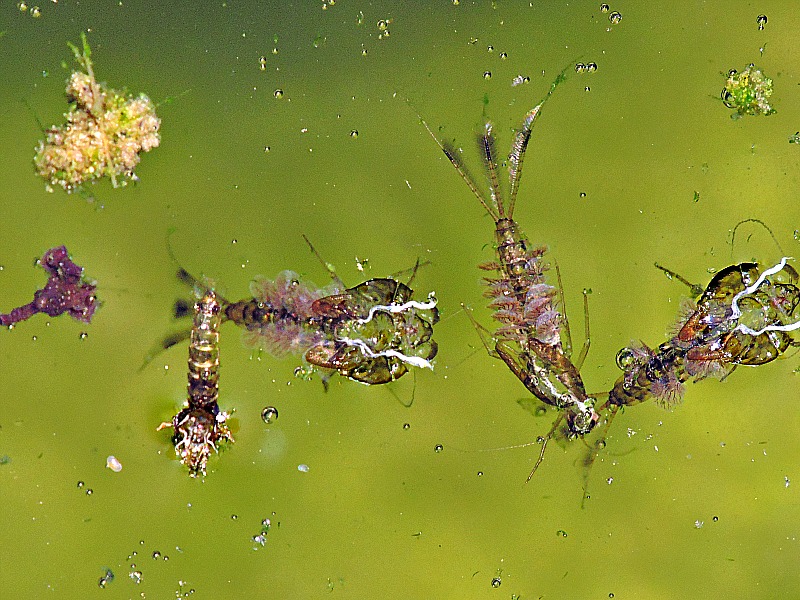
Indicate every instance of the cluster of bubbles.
{"type": "Point", "coordinates": [614, 17]}
{"type": "Point", "coordinates": [260, 539]}
{"type": "Point", "coordinates": [35, 11]}
{"type": "Point", "coordinates": [89, 491]}
{"type": "Point", "coordinates": [383, 28]}
{"type": "Point", "coordinates": [106, 578]}
{"type": "Point", "coordinates": [586, 68]}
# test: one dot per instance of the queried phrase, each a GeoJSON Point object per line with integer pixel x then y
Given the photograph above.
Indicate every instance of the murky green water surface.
{"type": "Point", "coordinates": [635, 163]}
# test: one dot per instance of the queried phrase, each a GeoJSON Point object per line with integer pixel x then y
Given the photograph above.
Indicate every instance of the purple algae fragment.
{"type": "Point", "coordinates": [65, 291]}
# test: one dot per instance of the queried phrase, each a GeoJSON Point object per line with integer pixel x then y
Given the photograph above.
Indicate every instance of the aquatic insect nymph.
{"type": "Point", "coordinates": [529, 339]}
{"type": "Point", "coordinates": [201, 426]}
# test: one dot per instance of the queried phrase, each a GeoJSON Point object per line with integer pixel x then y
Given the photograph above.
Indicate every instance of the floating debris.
{"type": "Point", "coordinates": [113, 464]}
{"type": "Point", "coordinates": [748, 92]}
{"type": "Point", "coordinates": [105, 132]}
{"type": "Point", "coordinates": [66, 291]}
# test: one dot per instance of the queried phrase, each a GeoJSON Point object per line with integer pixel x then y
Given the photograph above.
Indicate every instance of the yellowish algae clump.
{"type": "Point", "coordinates": [748, 92]}
{"type": "Point", "coordinates": [105, 132]}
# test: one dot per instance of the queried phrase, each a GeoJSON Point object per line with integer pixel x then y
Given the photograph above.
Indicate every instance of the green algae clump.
{"type": "Point", "coordinates": [748, 92]}
{"type": "Point", "coordinates": [105, 132]}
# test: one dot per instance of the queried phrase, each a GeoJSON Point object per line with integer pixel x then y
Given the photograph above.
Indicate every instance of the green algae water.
{"type": "Point", "coordinates": [283, 119]}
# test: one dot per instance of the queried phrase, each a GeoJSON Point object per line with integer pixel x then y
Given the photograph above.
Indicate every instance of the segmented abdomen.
{"type": "Point", "coordinates": [522, 301]}
{"type": "Point", "coordinates": [204, 352]}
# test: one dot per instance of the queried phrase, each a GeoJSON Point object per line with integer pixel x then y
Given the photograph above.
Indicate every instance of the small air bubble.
{"type": "Point", "coordinates": [438, 448]}
{"type": "Point", "coordinates": [591, 67]}
{"type": "Point", "coordinates": [490, 49]}
{"type": "Point", "coordinates": [267, 148]}
{"type": "Point", "coordinates": [487, 74]}
{"type": "Point", "coordinates": [278, 93]}
{"type": "Point", "coordinates": [156, 554]}
{"type": "Point", "coordinates": [262, 62]}
{"type": "Point", "coordinates": [83, 335]}
{"type": "Point", "coordinates": [89, 492]}
{"type": "Point", "coordinates": [604, 8]}
{"type": "Point", "coordinates": [269, 414]}
{"type": "Point", "coordinates": [580, 67]}
{"type": "Point", "coordinates": [715, 518]}
{"type": "Point", "coordinates": [34, 338]}
{"type": "Point", "coordinates": [80, 484]}
{"type": "Point", "coordinates": [406, 425]}
{"type": "Point", "coordinates": [561, 533]}
{"type": "Point", "coordinates": [761, 20]}
{"type": "Point", "coordinates": [22, 6]}
{"type": "Point", "coordinates": [615, 17]}
{"type": "Point", "coordinates": [496, 582]}
{"type": "Point", "coordinates": [36, 12]}
{"type": "Point", "coordinates": [503, 55]}
{"type": "Point", "coordinates": [480, 473]}
{"type": "Point", "coordinates": [302, 468]}
{"type": "Point", "coordinates": [354, 133]}
{"type": "Point", "coordinates": [583, 194]}
{"type": "Point", "coordinates": [234, 517]}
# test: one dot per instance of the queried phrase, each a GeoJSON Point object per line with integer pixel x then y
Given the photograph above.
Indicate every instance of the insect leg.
{"type": "Point", "coordinates": [586, 339]}
{"type": "Point", "coordinates": [695, 289]}
{"type": "Point", "coordinates": [328, 267]}
{"type": "Point", "coordinates": [544, 441]}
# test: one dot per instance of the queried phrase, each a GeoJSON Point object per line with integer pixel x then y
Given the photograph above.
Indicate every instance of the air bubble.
{"type": "Point", "coordinates": [108, 577]}
{"type": "Point", "coordinates": [580, 67]}
{"type": "Point", "coordinates": [302, 468]}
{"type": "Point", "coordinates": [263, 63]}
{"type": "Point", "coordinates": [136, 576]}
{"type": "Point", "coordinates": [490, 49]}
{"type": "Point", "coordinates": [156, 554]}
{"type": "Point", "coordinates": [83, 335]}
{"type": "Point", "coordinates": [604, 8]}
{"type": "Point", "coordinates": [591, 67]}
{"type": "Point", "coordinates": [269, 414]}
{"type": "Point", "coordinates": [36, 12]}
{"type": "Point", "coordinates": [278, 93]}
{"type": "Point", "coordinates": [761, 20]}
{"type": "Point", "coordinates": [89, 492]}
{"type": "Point", "coordinates": [80, 484]}
{"type": "Point", "coordinates": [354, 133]}
{"type": "Point", "coordinates": [503, 55]}
{"type": "Point", "coordinates": [406, 425]}
{"type": "Point", "coordinates": [561, 533]}
{"type": "Point", "coordinates": [438, 448]}
{"type": "Point", "coordinates": [496, 582]}
{"type": "Point", "coordinates": [234, 517]}
{"type": "Point", "coordinates": [615, 17]}
{"type": "Point", "coordinates": [487, 74]}
{"type": "Point", "coordinates": [22, 6]}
